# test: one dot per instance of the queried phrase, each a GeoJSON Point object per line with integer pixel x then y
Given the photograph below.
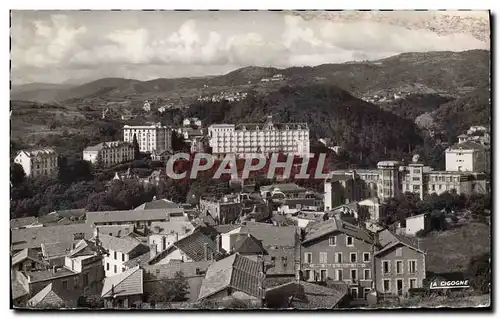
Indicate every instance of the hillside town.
{"type": "Point", "coordinates": [272, 246]}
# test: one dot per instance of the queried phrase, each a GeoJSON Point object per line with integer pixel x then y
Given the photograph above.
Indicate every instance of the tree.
{"type": "Point", "coordinates": [480, 270]}
{"type": "Point", "coordinates": [137, 151]}
{"type": "Point", "coordinates": [171, 290]}
{"type": "Point", "coordinates": [17, 174]}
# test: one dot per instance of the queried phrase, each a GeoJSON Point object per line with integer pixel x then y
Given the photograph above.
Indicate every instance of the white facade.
{"type": "Point", "coordinates": [247, 139]}
{"type": "Point", "coordinates": [110, 153]}
{"type": "Point", "coordinates": [114, 263]}
{"type": "Point", "coordinates": [416, 223]}
{"type": "Point", "coordinates": [466, 159]}
{"type": "Point", "coordinates": [38, 163]}
{"type": "Point", "coordinates": [150, 138]}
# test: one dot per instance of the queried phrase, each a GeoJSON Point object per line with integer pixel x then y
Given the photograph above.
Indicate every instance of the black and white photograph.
{"type": "Point", "coordinates": [167, 160]}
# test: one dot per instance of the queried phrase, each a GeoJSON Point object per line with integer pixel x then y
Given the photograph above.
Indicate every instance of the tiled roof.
{"type": "Point", "coordinates": [70, 213]}
{"type": "Point", "coordinates": [468, 145]}
{"type": "Point", "coordinates": [167, 271]}
{"type": "Point", "coordinates": [158, 204]}
{"type": "Point", "coordinates": [194, 244]}
{"type": "Point", "coordinates": [34, 237]}
{"type": "Point", "coordinates": [247, 244]}
{"type": "Point", "coordinates": [84, 247]}
{"type": "Point", "coordinates": [43, 275]}
{"type": "Point", "coordinates": [271, 235]}
{"type": "Point", "coordinates": [36, 152]}
{"type": "Point", "coordinates": [305, 295]}
{"type": "Point", "coordinates": [236, 272]}
{"type": "Point", "coordinates": [388, 240]}
{"type": "Point", "coordinates": [23, 221]}
{"type": "Point", "coordinates": [26, 253]}
{"type": "Point", "coordinates": [140, 260]}
{"type": "Point", "coordinates": [116, 230]}
{"type": "Point", "coordinates": [129, 215]}
{"type": "Point", "coordinates": [18, 289]}
{"type": "Point", "coordinates": [288, 187]}
{"type": "Point", "coordinates": [52, 250]}
{"type": "Point", "coordinates": [129, 282]}
{"type": "Point", "coordinates": [180, 227]}
{"type": "Point", "coordinates": [124, 245]}
{"type": "Point", "coordinates": [318, 230]}
{"type": "Point", "coordinates": [53, 295]}
{"type": "Point", "coordinates": [222, 229]}
{"type": "Point", "coordinates": [100, 146]}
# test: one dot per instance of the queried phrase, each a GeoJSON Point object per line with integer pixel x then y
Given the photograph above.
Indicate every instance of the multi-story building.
{"type": "Point", "coordinates": [109, 153]}
{"type": "Point", "coordinates": [388, 184]}
{"type": "Point", "coordinates": [400, 264]}
{"type": "Point", "coordinates": [252, 139]}
{"type": "Point", "coordinates": [119, 251]}
{"type": "Point", "coordinates": [339, 251]}
{"type": "Point", "coordinates": [36, 163]}
{"type": "Point", "coordinates": [468, 156]}
{"type": "Point", "coordinates": [156, 137]}
{"type": "Point", "coordinates": [224, 211]}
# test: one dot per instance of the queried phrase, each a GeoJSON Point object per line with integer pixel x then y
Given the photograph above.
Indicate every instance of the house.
{"type": "Point", "coordinates": [28, 259]}
{"type": "Point", "coordinates": [334, 249]}
{"type": "Point", "coordinates": [293, 205]}
{"type": "Point", "coordinates": [19, 289]}
{"type": "Point", "coordinates": [158, 204]}
{"type": "Point", "coordinates": [234, 278]}
{"type": "Point", "coordinates": [123, 290]}
{"type": "Point", "coordinates": [400, 264]}
{"type": "Point", "coordinates": [109, 153]}
{"type": "Point", "coordinates": [194, 247]}
{"type": "Point", "coordinates": [468, 156]}
{"type": "Point", "coordinates": [224, 211]}
{"type": "Point", "coordinates": [340, 187]}
{"type": "Point", "coordinates": [374, 207]}
{"type": "Point", "coordinates": [306, 295]}
{"type": "Point", "coordinates": [247, 245]}
{"type": "Point", "coordinates": [165, 233]}
{"type": "Point", "coordinates": [54, 253]}
{"type": "Point", "coordinates": [54, 297]}
{"type": "Point", "coordinates": [119, 251]}
{"type": "Point", "coordinates": [42, 162]}
{"type": "Point", "coordinates": [141, 218]}
{"type": "Point", "coordinates": [192, 272]}
{"type": "Point", "coordinates": [35, 236]}
{"type": "Point", "coordinates": [60, 277]}
{"type": "Point", "coordinates": [283, 191]}
{"type": "Point", "coordinates": [417, 223]}
{"type": "Point", "coordinates": [280, 243]}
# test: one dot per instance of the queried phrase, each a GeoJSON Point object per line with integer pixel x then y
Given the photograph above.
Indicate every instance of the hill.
{"type": "Point", "coordinates": [366, 132]}
{"type": "Point", "coordinates": [414, 105]}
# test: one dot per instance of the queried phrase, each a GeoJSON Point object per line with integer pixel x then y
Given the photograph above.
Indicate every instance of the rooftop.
{"type": "Point", "coordinates": [129, 282]}
{"type": "Point", "coordinates": [26, 253]}
{"type": "Point", "coordinates": [236, 272]}
{"type": "Point", "coordinates": [171, 227]}
{"type": "Point", "coordinates": [288, 187]}
{"type": "Point", "coordinates": [53, 295]}
{"type": "Point", "coordinates": [100, 146]}
{"type": "Point", "coordinates": [271, 235]}
{"type": "Point", "coordinates": [167, 271]}
{"type": "Point", "coordinates": [52, 250]}
{"type": "Point", "coordinates": [38, 152]}
{"type": "Point", "coordinates": [158, 204]}
{"type": "Point", "coordinates": [129, 215]}
{"type": "Point", "coordinates": [388, 240]}
{"type": "Point", "coordinates": [124, 245]}
{"type": "Point", "coordinates": [468, 145]}
{"type": "Point", "coordinates": [49, 274]}
{"type": "Point", "coordinates": [116, 230]}
{"type": "Point", "coordinates": [318, 230]}
{"type": "Point", "coordinates": [23, 221]}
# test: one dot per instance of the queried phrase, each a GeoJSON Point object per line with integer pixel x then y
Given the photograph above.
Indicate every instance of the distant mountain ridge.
{"type": "Point", "coordinates": [455, 73]}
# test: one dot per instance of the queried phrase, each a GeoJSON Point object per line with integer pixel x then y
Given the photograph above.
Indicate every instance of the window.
{"type": "Point", "coordinates": [107, 266]}
{"type": "Point", "coordinates": [366, 291]}
{"type": "Point", "coordinates": [338, 257]}
{"type": "Point", "coordinates": [354, 292]}
{"type": "Point", "coordinates": [339, 275]}
{"type": "Point", "coordinates": [366, 257]}
{"type": "Point", "coordinates": [323, 258]}
{"type": "Point", "coordinates": [412, 266]}
{"type": "Point", "coordinates": [387, 285]}
{"type": "Point", "coordinates": [386, 267]}
{"type": "Point", "coordinates": [116, 269]}
{"type": "Point", "coordinates": [123, 269]}
{"type": "Point", "coordinates": [416, 171]}
{"type": "Point", "coordinates": [366, 274]}
{"type": "Point", "coordinates": [354, 274]}
{"type": "Point", "coordinates": [399, 267]}
{"type": "Point", "coordinates": [123, 257]}
{"type": "Point", "coordinates": [308, 257]}
{"type": "Point", "coordinates": [115, 255]}
{"type": "Point", "coordinates": [65, 284]}
{"type": "Point", "coordinates": [273, 259]}
{"type": "Point", "coordinates": [412, 283]}
{"type": "Point", "coordinates": [353, 257]}
{"type": "Point", "coordinates": [308, 274]}
{"type": "Point", "coordinates": [85, 279]}
{"type": "Point", "coordinates": [323, 275]}
{"type": "Point", "coordinates": [332, 241]}
{"type": "Point", "coordinates": [349, 241]}
{"type": "Point", "coordinates": [399, 252]}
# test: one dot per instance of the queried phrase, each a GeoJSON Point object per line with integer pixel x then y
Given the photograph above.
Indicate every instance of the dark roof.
{"type": "Point", "coordinates": [53, 250]}
{"type": "Point", "coordinates": [70, 213]}
{"type": "Point", "coordinates": [305, 295]}
{"type": "Point", "coordinates": [123, 245]}
{"type": "Point", "coordinates": [49, 274]}
{"type": "Point", "coordinates": [53, 295]}
{"type": "Point", "coordinates": [140, 260]}
{"type": "Point", "coordinates": [236, 272]}
{"type": "Point", "coordinates": [26, 253]}
{"type": "Point", "coordinates": [271, 235]}
{"type": "Point", "coordinates": [129, 282]}
{"type": "Point", "coordinates": [389, 240]}
{"type": "Point", "coordinates": [467, 145]}
{"type": "Point", "coordinates": [222, 229]}
{"type": "Point", "coordinates": [247, 244]}
{"type": "Point", "coordinates": [158, 204]}
{"type": "Point", "coordinates": [35, 236]}
{"type": "Point", "coordinates": [193, 246]}
{"type": "Point", "coordinates": [320, 229]}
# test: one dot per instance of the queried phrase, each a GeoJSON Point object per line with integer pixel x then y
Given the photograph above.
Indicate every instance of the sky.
{"type": "Point", "coordinates": [79, 46]}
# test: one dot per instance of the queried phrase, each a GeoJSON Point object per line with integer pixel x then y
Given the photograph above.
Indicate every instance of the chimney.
{"type": "Point", "coordinates": [153, 250]}
{"type": "Point", "coordinates": [176, 236]}
{"type": "Point", "coordinates": [205, 246]}
{"type": "Point", "coordinates": [54, 269]}
{"type": "Point", "coordinates": [218, 243]}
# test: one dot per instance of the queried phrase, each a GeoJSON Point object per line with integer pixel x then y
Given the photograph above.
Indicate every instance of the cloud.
{"type": "Point", "coordinates": [46, 46]}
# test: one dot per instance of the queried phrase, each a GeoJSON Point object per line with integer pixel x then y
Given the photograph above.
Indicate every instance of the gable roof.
{"type": "Point", "coordinates": [305, 295]}
{"type": "Point", "coordinates": [271, 235]}
{"type": "Point", "coordinates": [235, 272]}
{"type": "Point", "coordinates": [167, 271]}
{"type": "Point", "coordinates": [468, 145]}
{"type": "Point", "coordinates": [129, 282]}
{"type": "Point", "coordinates": [21, 222]}
{"type": "Point", "coordinates": [34, 237]}
{"type": "Point", "coordinates": [129, 215]}
{"type": "Point", "coordinates": [247, 244]}
{"type": "Point", "coordinates": [140, 260]}
{"type": "Point", "coordinates": [116, 230]}
{"type": "Point", "coordinates": [124, 245]}
{"type": "Point", "coordinates": [70, 213]}
{"type": "Point", "coordinates": [389, 240]}
{"type": "Point", "coordinates": [59, 249]}
{"type": "Point", "coordinates": [53, 295]}
{"type": "Point", "coordinates": [26, 253]}
{"type": "Point", "coordinates": [158, 204]}
{"type": "Point", "coordinates": [173, 226]}
{"type": "Point", "coordinates": [194, 244]}
{"type": "Point", "coordinates": [222, 229]}
{"type": "Point", "coordinates": [286, 187]}
{"type": "Point", "coordinates": [320, 229]}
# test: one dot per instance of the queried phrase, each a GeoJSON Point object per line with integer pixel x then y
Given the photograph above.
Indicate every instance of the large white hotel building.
{"type": "Point", "coordinates": [247, 139]}
{"type": "Point", "coordinates": [151, 138]}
